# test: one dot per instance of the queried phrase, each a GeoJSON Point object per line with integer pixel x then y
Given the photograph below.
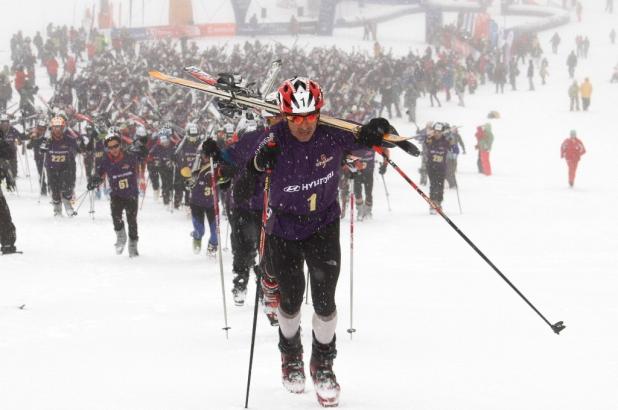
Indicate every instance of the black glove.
{"type": "Point", "coordinates": [94, 182]}
{"type": "Point", "coordinates": [190, 182]}
{"type": "Point", "coordinates": [372, 133]}
{"type": "Point", "coordinates": [6, 150]}
{"type": "Point", "coordinates": [44, 147]}
{"type": "Point", "coordinates": [266, 158]}
{"type": "Point", "coordinates": [382, 169]}
{"type": "Point", "coordinates": [211, 149]}
{"type": "Point", "coordinates": [139, 149]}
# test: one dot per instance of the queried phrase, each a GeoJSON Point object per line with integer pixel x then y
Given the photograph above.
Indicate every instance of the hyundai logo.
{"type": "Point", "coordinates": [292, 188]}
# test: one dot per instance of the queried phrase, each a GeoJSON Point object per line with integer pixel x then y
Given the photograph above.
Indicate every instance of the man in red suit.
{"type": "Point", "coordinates": [572, 149]}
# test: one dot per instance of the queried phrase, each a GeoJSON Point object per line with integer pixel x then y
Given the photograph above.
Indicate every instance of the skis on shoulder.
{"type": "Point", "coordinates": [234, 94]}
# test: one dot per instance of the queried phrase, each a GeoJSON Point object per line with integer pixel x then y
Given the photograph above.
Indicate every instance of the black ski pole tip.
{"type": "Point", "coordinates": [21, 307]}
{"type": "Point", "coordinates": [352, 330]}
{"type": "Point", "coordinates": [558, 327]}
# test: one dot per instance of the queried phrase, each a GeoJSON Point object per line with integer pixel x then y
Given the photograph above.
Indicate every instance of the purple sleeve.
{"type": "Point", "coordinates": [245, 148]}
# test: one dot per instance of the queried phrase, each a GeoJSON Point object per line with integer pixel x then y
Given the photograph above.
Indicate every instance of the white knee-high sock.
{"type": "Point", "coordinates": [288, 324]}
{"type": "Point", "coordinates": [324, 327]}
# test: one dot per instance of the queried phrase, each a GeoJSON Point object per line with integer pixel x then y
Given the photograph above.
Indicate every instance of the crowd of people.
{"type": "Point", "coordinates": [124, 133]}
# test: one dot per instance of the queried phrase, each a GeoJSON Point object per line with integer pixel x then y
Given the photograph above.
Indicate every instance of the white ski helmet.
{"type": "Point", "coordinates": [300, 95]}
{"type": "Point", "coordinates": [192, 129]}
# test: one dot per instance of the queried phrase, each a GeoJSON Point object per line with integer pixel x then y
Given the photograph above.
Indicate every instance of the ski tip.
{"type": "Point", "coordinates": [156, 74]}
{"type": "Point", "coordinates": [409, 148]}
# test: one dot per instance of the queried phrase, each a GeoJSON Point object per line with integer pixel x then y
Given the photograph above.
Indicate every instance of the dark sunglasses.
{"type": "Point", "coordinates": [299, 119]}
{"type": "Point", "coordinates": [113, 146]}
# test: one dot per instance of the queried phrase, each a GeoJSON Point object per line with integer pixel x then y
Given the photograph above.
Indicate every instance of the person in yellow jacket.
{"type": "Point", "coordinates": [585, 90]}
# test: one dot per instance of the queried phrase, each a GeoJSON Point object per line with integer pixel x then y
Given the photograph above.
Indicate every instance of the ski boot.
{"type": "Point", "coordinates": [292, 366]}
{"type": "Point", "coordinates": [121, 240]}
{"type": "Point", "coordinates": [8, 249]}
{"type": "Point", "coordinates": [68, 207]}
{"type": "Point", "coordinates": [321, 369]}
{"type": "Point", "coordinates": [57, 209]}
{"type": "Point", "coordinates": [367, 214]}
{"type": "Point", "coordinates": [272, 298]}
{"type": "Point", "coordinates": [239, 291]}
{"type": "Point", "coordinates": [133, 248]}
{"type": "Point", "coordinates": [197, 246]}
{"type": "Point", "coordinates": [360, 213]}
{"type": "Point", "coordinates": [211, 250]}
{"type": "Point", "coordinates": [432, 211]}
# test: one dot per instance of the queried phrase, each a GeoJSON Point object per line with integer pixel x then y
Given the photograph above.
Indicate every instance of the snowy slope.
{"type": "Point", "coordinates": [436, 327]}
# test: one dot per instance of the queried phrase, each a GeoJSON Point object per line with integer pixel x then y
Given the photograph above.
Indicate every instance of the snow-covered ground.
{"type": "Point", "coordinates": [436, 327]}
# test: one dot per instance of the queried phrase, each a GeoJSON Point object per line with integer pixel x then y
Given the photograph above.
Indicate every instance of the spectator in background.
{"type": "Point", "coordinates": [574, 96]}
{"type": "Point", "coordinates": [571, 150]}
{"type": "Point", "coordinates": [572, 63]}
{"type": "Point", "coordinates": [530, 75]}
{"type": "Point", "coordinates": [586, 92]}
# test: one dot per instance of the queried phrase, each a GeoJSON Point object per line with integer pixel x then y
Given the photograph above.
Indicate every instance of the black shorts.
{"type": "Point", "coordinates": [285, 260]}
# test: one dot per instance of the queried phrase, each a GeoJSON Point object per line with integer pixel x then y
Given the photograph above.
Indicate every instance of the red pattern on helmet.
{"type": "Point", "coordinates": [289, 104]}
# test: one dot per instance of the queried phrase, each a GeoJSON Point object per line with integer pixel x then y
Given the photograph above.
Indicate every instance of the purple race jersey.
{"type": "Point", "coordinates": [185, 157]}
{"type": "Point", "coordinates": [160, 155]}
{"type": "Point", "coordinates": [12, 135]}
{"type": "Point", "coordinates": [61, 153]}
{"type": "Point", "coordinates": [201, 193]}
{"type": "Point", "coordinates": [304, 185]}
{"type": "Point", "coordinates": [121, 174]}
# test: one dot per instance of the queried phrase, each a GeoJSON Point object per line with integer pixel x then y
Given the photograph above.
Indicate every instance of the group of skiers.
{"type": "Point", "coordinates": [214, 158]}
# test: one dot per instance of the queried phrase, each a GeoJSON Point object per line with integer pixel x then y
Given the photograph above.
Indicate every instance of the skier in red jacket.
{"type": "Point", "coordinates": [572, 149]}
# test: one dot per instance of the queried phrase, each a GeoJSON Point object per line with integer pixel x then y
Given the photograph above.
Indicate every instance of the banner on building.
{"type": "Point", "coordinates": [181, 13]}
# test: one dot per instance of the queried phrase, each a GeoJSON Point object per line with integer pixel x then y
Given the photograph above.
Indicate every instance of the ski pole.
{"type": "Point", "coordinates": [227, 233]}
{"type": "Point", "coordinates": [262, 247]}
{"type": "Point", "coordinates": [81, 199]}
{"type": "Point", "coordinates": [388, 200]}
{"type": "Point", "coordinates": [173, 190]}
{"type": "Point", "coordinates": [219, 253]}
{"type": "Point", "coordinates": [351, 329]}
{"type": "Point", "coordinates": [25, 152]}
{"type": "Point", "coordinates": [42, 177]}
{"type": "Point", "coordinates": [556, 327]}
{"type": "Point", "coordinates": [307, 289]}
{"type": "Point", "coordinates": [457, 191]}
{"type": "Point", "coordinates": [141, 205]}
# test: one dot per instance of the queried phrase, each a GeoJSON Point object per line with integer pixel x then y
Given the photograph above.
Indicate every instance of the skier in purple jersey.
{"type": "Point", "coordinates": [59, 152]}
{"type": "Point", "coordinates": [122, 170]}
{"type": "Point", "coordinates": [160, 161]}
{"type": "Point", "coordinates": [303, 158]}
{"type": "Point", "coordinates": [363, 180]}
{"type": "Point", "coordinates": [7, 228]}
{"type": "Point", "coordinates": [245, 215]}
{"type": "Point", "coordinates": [10, 135]}
{"type": "Point", "coordinates": [202, 200]}
{"type": "Point", "coordinates": [36, 137]}
{"type": "Point", "coordinates": [184, 156]}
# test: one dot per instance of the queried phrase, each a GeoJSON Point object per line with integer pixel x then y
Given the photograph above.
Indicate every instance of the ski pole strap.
{"type": "Point", "coordinates": [264, 214]}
